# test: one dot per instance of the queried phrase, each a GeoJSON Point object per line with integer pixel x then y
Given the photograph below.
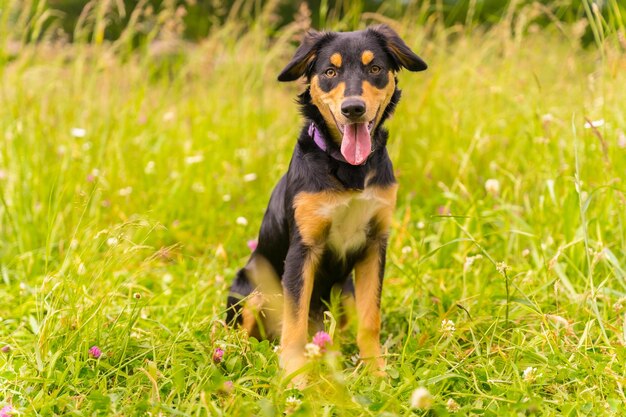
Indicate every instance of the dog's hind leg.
{"type": "Point", "coordinates": [255, 299]}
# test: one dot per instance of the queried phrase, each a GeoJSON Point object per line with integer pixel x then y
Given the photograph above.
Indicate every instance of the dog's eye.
{"type": "Point", "coordinates": [330, 73]}
{"type": "Point", "coordinates": [375, 69]}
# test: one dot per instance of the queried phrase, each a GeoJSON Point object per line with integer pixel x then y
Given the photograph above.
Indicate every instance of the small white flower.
{"type": "Point", "coordinates": [406, 250]}
{"type": "Point", "coordinates": [447, 327]}
{"type": "Point", "coordinates": [421, 399]}
{"type": "Point", "coordinates": [469, 261]}
{"type": "Point", "coordinates": [74, 243]}
{"type": "Point", "coordinates": [241, 221]}
{"type": "Point", "coordinates": [420, 225]}
{"type": "Point", "coordinates": [249, 177]}
{"type": "Point", "coordinates": [125, 192]}
{"type": "Point", "coordinates": [112, 241]}
{"type": "Point", "coordinates": [452, 406]}
{"type": "Point", "coordinates": [311, 350]}
{"type": "Point", "coordinates": [547, 118]}
{"type": "Point", "coordinates": [198, 187]}
{"type": "Point", "coordinates": [194, 159]}
{"type": "Point", "coordinates": [292, 404]}
{"type": "Point", "coordinates": [594, 123]}
{"type": "Point", "coordinates": [168, 278]}
{"type": "Point", "coordinates": [149, 169]}
{"type": "Point", "coordinates": [529, 374]}
{"type": "Point", "coordinates": [78, 132]}
{"type": "Point", "coordinates": [502, 267]}
{"type": "Point", "coordinates": [81, 269]}
{"type": "Point", "coordinates": [226, 197]}
{"type": "Point", "coordinates": [526, 253]}
{"type": "Point", "coordinates": [492, 186]}
{"type": "Point", "coordinates": [168, 116]}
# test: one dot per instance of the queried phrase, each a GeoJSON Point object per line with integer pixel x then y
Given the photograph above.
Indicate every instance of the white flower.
{"type": "Point", "coordinates": [529, 374]}
{"type": "Point", "coordinates": [78, 132]}
{"type": "Point", "coordinates": [81, 269]}
{"type": "Point", "coordinates": [492, 186]}
{"type": "Point", "coordinates": [421, 399]}
{"type": "Point", "coordinates": [502, 267]}
{"type": "Point", "coordinates": [311, 350]}
{"type": "Point", "coordinates": [169, 116]}
{"type": "Point", "coordinates": [469, 261]}
{"type": "Point", "coordinates": [447, 327]}
{"type": "Point", "coordinates": [292, 404]}
{"type": "Point", "coordinates": [420, 225]}
{"type": "Point", "coordinates": [526, 252]}
{"type": "Point", "coordinates": [112, 241]}
{"type": "Point", "coordinates": [198, 187]}
{"type": "Point", "coordinates": [594, 123]}
{"type": "Point", "coordinates": [194, 159]}
{"type": "Point", "coordinates": [226, 197]}
{"type": "Point", "coordinates": [249, 177]}
{"type": "Point", "coordinates": [149, 169]}
{"type": "Point", "coordinates": [125, 192]}
{"type": "Point", "coordinates": [241, 221]}
{"type": "Point", "coordinates": [406, 250]}
{"type": "Point", "coordinates": [621, 140]}
{"type": "Point", "coordinates": [452, 406]}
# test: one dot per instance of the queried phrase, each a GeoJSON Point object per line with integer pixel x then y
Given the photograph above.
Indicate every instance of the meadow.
{"type": "Point", "coordinates": [133, 177]}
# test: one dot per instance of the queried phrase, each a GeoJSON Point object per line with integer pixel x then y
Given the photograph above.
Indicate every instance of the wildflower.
{"type": "Point", "coordinates": [218, 355]}
{"type": "Point", "coordinates": [249, 177]}
{"type": "Point", "coordinates": [292, 404]}
{"type": "Point", "coordinates": [78, 132]}
{"type": "Point", "coordinates": [241, 221]}
{"type": "Point", "coordinates": [112, 241]}
{"type": "Point", "coordinates": [137, 296]}
{"type": "Point", "coordinates": [421, 399]}
{"type": "Point", "coordinates": [525, 253]}
{"type": "Point", "coordinates": [125, 192]}
{"type": "Point", "coordinates": [3, 174]}
{"type": "Point", "coordinates": [529, 374]}
{"type": "Point", "coordinates": [149, 169]}
{"type": "Point", "coordinates": [452, 406]}
{"type": "Point", "coordinates": [311, 350]}
{"type": "Point", "coordinates": [322, 339]}
{"type": "Point", "coordinates": [420, 225]}
{"type": "Point", "coordinates": [95, 352]}
{"type": "Point", "coordinates": [447, 327]}
{"type": "Point", "coordinates": [194, 159]}
{"type": "Point", "coordinates": [198, 187]}
{"type": "Point", "coordinates": [168, 116]}
{"type": "Point", "coordinates": [492, 186]}
{"type": "Point", "coordinates": [252, 244]}
{"type": "Point", "coordinates": [443, 211]}
{"type": "Point", "coordinates": [406, 250]}
{"type": "Point", "coordinates": [594, 123]}
{"type": "Point", "coordinates": [469, 261]}
{"type": "Point", "coordinates": [227, 386]}
{"type": "Point", "coordinates": [81, 269]}
{"type": "Point", "coordinates": [5, 349]}
{"type": "Point", "coordinates": [621, 140]}
{"type": "Point", "coordinates": [226, 198]}
{"type": "Point", "coordinates": [7, 411]}
{"type": "Point", "coordinates": [502, 267]}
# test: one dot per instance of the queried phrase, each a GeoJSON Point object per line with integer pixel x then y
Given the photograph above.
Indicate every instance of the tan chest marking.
{"type": "Point", "coordinates": [341, 219]}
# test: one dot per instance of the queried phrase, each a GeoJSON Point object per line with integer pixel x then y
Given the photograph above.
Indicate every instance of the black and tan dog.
{"type": "Point", "coordinates": [330, 214]}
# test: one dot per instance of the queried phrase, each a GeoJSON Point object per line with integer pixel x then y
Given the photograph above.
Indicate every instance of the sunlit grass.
{"type": "Point", "coordinates": [122, 176]}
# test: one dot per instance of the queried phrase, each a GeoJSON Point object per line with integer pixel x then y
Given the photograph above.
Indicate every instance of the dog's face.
{"type": "Point", "coordinates": [352, 80]}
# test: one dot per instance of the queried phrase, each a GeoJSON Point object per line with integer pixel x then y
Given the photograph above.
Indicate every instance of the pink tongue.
{"type": "Point", "coordinates": [356, 144]}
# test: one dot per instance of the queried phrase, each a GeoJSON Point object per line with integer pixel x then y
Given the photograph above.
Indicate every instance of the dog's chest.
{"type": "Point", "coordinates": [350, 221]}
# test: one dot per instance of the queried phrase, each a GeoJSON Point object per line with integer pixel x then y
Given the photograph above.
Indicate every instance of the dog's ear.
{"type": "Point", "coordinates": [398, 49]}
{"type": "Point", "coordinates": [304, 57]}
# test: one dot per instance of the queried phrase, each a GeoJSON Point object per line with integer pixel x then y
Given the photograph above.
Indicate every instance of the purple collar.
{"type": "Point", "coordinates": [319, 141]}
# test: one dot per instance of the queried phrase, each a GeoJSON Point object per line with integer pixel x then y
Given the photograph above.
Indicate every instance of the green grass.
{"type": "Point", "coordinates": [127, 238]}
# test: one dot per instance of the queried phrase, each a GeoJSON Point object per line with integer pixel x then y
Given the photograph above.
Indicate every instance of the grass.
{"type": "Point", "coordinates": [125, 235]}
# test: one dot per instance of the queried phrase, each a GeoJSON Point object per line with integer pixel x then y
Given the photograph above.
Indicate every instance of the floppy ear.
{"type": "Point", "coordinates": [304, 57]}
{"type": "Point", "coordinates": [399, 51]}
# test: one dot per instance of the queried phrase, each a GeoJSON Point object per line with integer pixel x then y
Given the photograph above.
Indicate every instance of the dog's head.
{"type": "Point", "coordinates": [352, 81]}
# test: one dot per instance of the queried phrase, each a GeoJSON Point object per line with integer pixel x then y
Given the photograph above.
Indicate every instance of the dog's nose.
{"type": "Point", "coordinates": [353, 108]}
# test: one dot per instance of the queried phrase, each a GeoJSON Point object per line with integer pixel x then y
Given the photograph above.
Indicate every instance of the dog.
{"type": "Point", "coordinates": [330, 214]}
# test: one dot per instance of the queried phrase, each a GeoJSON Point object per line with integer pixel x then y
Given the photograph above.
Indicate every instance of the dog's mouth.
{"type": "Point", "coordinates": [356, 142]}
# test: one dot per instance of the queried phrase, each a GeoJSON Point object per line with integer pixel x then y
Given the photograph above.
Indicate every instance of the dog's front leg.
{"type": "Point", "coordinates": [368, 285]}
{"type": "Point", "coordinates": [300, 266]}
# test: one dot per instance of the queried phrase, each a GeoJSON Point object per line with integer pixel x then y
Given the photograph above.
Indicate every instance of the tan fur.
{"type": "Point", "coordinates": [336, 59]}
{"type": "Point", "coordinates": [367, 57]}
{"type": "Point", "coordinates": [329, 104]}
{"type": "Point", "coordinates": [378, 98]}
